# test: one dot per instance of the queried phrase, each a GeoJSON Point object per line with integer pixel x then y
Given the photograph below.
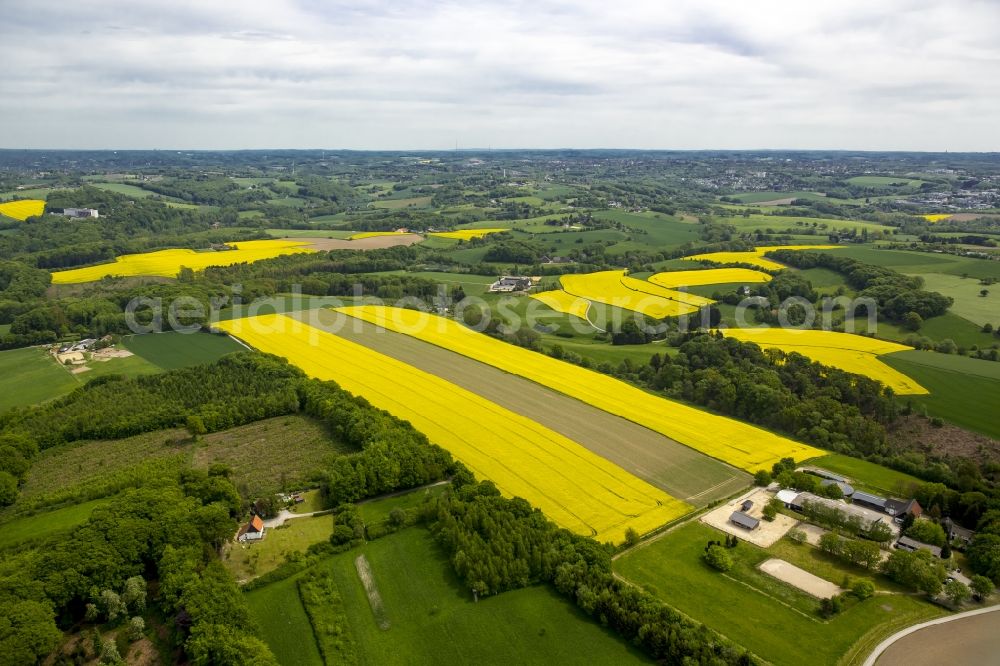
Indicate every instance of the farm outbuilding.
{"type": "Point", "coordinates": [741, 519]}
{"type": "Point", "coordinates": [869, 501]}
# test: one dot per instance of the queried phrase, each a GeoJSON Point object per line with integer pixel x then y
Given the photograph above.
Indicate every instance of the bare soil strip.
{"type": "Point", "coordinates": [800, 578]}
{"type": "Point", "coordinates": [370, 243]}
{"type": "Point", "coordinates": [371, 589]}
{"type": "Point", "coordinates": [662, 462]}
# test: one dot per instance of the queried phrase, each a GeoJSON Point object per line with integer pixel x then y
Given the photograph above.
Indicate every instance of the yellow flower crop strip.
{"type": "Point", "coordinates": [852, 353]}
{"type": "Point", "coordinates": [755, 257]}
{"type": "Point", "coordinates": [23, 209]}
{"type": "Point", "coordinates": [617, 289]}
{"type": "Point", "coordinates": [674, 279]}
{"type": "Point", "coordinates": [574, 487]}
{"type": "Point", "coordinates": [466, 234]}
{"type": "Point", "coordinates": [740, 444]}
{"type": "Point", "coordinates": [167, 263]}
{"type": "Point", "coordinates": [937, 217]}
{"type": "Point", "coordinates": [560, 301]}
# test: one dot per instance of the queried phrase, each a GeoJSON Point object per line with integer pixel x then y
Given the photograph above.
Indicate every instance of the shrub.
{"type": "Point", "coordinates": [718, 558]}
{"type": "Point", "coordinates": [863, 589]}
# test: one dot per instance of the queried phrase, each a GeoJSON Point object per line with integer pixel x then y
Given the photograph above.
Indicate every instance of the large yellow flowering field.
{"type": "Point", "coordinates": [560, 301]}
{"type": "Point", "coordinates": [167, 263]}
{"type": "Point", "coordinates": [674, 279]}
{"type": "Point", "coordinates": [617, 289]}
{"type": "Point", "coordinates": [466, 234]}
{"type": "Point", "coordinates": [936, 217]}
{"type": "Point", "coordinates": [23, 209]}
{"type": "Point", "coordinates": [755, 257]}
{"type": "Point", "coordinates": [574, 487]}
{"type": "Point", "coordinates": [849, 352]}
{"type": "Point", "coordinates": [740, 444]}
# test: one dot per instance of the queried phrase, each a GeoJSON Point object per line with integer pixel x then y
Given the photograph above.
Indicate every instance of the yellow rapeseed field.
{"type": "Point", "coordinates": [466, 234]}
{"type": "Point", "coordinates": [167, 263]}
{"type": "Point", "coordinates": [560, 301]}
{"type": "Point", "coordinates": [852, 353]}
{"type": "Point", "coordinates": [674, 279]}
{"type": "Point", "coordinates": [574, 487]}
{"type": "Point", "coordinates": [617, 289]}
{"type": "Point", "coordinates": [734, 442]}
{"type": "Point", "coordinates": [23, 209]}
{"type": "Point", "coordinates": [755, 257]}
{"type": "Point", "coordinates": [372, 234]}
{"type": "Point", "coordinates": [937, 217]}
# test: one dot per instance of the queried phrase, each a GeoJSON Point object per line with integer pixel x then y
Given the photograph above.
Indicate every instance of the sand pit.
{"type": "Point", "coordinates": [800, 578]}
{"type": "Point", "coordinates": [370, 243]}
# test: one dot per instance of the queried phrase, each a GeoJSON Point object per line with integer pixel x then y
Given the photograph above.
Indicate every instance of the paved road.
{"type": "Point", "coordinates": [884, 645]}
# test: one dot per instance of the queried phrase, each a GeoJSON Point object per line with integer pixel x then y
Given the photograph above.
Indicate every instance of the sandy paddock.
{"type": "Point", "coordinates": [800, 578]}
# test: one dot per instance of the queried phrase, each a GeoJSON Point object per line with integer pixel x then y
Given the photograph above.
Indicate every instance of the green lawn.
{"type": "Point", "coordinates": [172, 350]}
{"type": "Point", "coordinates": [434, 620]}
{"type": "Point", "coordinates": [755, 610]}
{"type": "Point", "coordinates": [376, 511]}
{"type": "Point", "coordinates": [867, 475]}
{"type": "Point", "coordinates": [963, 390]}
{"type": "Point", "coordinates": [31, 375]}
{"type": "Point", "coordinates": [283, 623]}
{"type": "Point", "coordinates": [254, 559]}
{"type": "Point", "coordinates": [969, 304]}
{"type": "Point", "coordinates": [46, 524]}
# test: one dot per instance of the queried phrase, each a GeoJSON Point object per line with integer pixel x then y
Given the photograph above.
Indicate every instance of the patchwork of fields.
{"type": "Point", "coordinates": [572, 486]}
{"type": "Point", "coordinates": [731, 441]}
{"type": "Point", "coordinates": [167, 263]}
{"type": "Point", "coordinates": [677, 469]}
{"type": "Point", "coordinates": [466, 234]}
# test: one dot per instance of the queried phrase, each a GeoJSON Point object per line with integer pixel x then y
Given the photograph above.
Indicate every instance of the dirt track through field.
{"type": "Point", "coordinates": [682, 472]}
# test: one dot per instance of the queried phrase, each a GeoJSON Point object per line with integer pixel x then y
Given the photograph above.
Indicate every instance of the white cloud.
{"type": "Point", "coordinates": [902, 74]}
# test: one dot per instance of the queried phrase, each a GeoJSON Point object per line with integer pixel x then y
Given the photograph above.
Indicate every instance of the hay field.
{"type": "Point", "coordinates": [167, 263]}
{"type": "Point", "coordinates": [737, 443]}
{"type": "Point", "coordinates": [572, 486]}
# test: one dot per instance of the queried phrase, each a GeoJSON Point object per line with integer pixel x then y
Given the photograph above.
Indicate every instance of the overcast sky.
{"type": "Point", "coordinates": [845, 74]}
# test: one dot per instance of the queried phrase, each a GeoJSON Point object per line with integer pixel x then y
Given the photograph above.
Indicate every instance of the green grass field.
{"type": "Point", "coordinates": [656, 229]}
{"type": "Point", "coordinates": [782, 223]}
{"type": "Point", "coordinates": [377, 511]}
{"type": "Point", "coordinates": [124, 188]}
{"type": "Point", "coordinates": [918, 263]}
{"type": "Point", "coordinates": [172, 350]}
{"type": "Point", "coordinates": [964, 391]}
{"type": "Point", "coordinates": [31, 375]}
{"type": "Point", "coordinates": [760, 197]}
{"type": "Point", "coordinates": [433, 618]}
{"type": "Point", "coordinates": [247, 561]}
{"type": "Point", "coordinates": [868, 476]}
{"type": "Point", "coordinates": [46, 524]}
{"type": "Point", "coordinates": [283, 623]}
{"type": "Point", "coordinates": [969, 304]}
{"type": "Point", "coordinates": [755, 610]}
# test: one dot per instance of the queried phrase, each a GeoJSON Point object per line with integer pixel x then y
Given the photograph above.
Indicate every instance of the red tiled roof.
{"type": "Point", "coordinates": [256, 524]}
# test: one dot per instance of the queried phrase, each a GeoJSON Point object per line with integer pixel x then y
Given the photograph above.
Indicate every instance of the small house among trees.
{"type": "Point", "coordinates": [252, 531]}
